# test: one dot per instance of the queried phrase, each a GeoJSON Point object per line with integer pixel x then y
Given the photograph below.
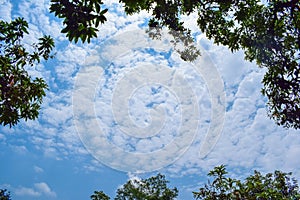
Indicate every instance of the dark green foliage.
{"type": "Point", "coordinates": [81, 17]}
{"type": "Point", "coordinates": [154, 188]}
{"type": "Point", "coordinates": [277, 185]}
{"type": "Point", "coordinates": [269, 34]}
{"type": "Point", "coordinates": [4, 194]}
{"type": "Point", "coordinates": [20, 95]}
{"type": "Point", "coordinates": [164, 12]}
{"type": "Point", "coordinates": [167, 14]}
{"type": "Point", "coordinates": [99, 196]}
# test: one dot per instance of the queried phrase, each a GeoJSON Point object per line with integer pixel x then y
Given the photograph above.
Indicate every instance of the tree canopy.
{"type": "Point", "coordinates": [20, 94]}
{"type": "Point", "coordinates": [269, 34]}
{"type": "Point", "coordinates": [81, 18]}
{"type": "Point", "coordinates": [220, 186]}
{"type": "Point", "coordinates": [99, 195]}
{"type": "Point", "coordinates": [4, 194]}
{"type": "Point", "coordinates": [277, 185]}
{"type": "Point", "coordinates": [153, 188]}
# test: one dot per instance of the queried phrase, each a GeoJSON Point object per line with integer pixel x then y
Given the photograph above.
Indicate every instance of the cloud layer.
{"type": "Point", "coordinates": [249, 139]}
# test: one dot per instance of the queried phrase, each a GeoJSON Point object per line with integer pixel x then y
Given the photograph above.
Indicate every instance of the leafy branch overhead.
{"type": "Point", "coordinates": [20, 95]}
{"type": "Point", "coordinates": [269, 34]}
{"type": "Point", "coordinates": [81, 17]}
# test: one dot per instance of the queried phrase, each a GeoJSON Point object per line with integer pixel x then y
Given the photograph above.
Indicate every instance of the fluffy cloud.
{"type": "Point", "coordinates": [43, 188]}
{"type": "Point", "coordinates": [24, 191]}
{"type": "Point", "coordinates": [39, 189]}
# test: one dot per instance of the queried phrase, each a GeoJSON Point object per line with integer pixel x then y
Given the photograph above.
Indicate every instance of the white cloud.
{"type": "Point", "coordinates": [38, 169]}
{"type": "Point", "coordinates": [5, 10]}
{"type": "Point", "coordinates": [249, 140]}
{"type": "Point", "coordinates": [93, 166]}
{"type": "Point", "coordinates": [19, 149]}
{"type": "Point", "coordinates": [133, 178]}
{"type": "Point", "coordinates": [39, 189]}
{"type": "Point", "coordinates": [2, 137]}
{"type": "Point", "coordinates": [44, 189]}
{"type": "Point", "coordinates": [24, 191]}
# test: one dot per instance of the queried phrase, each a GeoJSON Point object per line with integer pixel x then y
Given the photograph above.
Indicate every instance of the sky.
{"type": "Point", "coordinates": [126, 106]}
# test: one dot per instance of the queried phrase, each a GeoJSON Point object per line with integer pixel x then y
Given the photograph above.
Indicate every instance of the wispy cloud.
{"type": "Point", "coordinates": [5, 10]}
{"type": "Point", "coordinates": [38, 169]}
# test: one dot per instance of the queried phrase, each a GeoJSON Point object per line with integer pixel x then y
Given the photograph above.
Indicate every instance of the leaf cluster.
{"type": "Point", "coordinates": [81, 17]}
{"type": "Point", "coordinates": [153, 188]}
{"type": "Point", "coordinates": [99, 195]}
{"type": "Point", "coordinates": [20, 95]}
{"type": "Point", "coordinates": [270, 35]}
{"type": "Point", "coordinates": [4, 194]}
{"type": "Point", "coordinates": [277, 185]}
{"type": "Point", "coordinates": [166, 13]}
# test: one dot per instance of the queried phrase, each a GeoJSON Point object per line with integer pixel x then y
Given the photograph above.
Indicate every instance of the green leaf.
{"type": "Point", "coordinates": [97, 7]}
{"type": "Point", "coordinates": [65, 30]}
{"type": "Point", "coordinates": [22, 96]}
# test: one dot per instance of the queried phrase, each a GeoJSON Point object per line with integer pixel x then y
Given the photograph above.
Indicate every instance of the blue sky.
{"type": "Point", "coordinates": [125, 106]}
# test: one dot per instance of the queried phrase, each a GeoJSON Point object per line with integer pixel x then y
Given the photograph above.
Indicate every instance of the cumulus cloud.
{"type": "Point", "coordinates": [39, 189]}
{"type": "Point", "coordinates": [43, 188]}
